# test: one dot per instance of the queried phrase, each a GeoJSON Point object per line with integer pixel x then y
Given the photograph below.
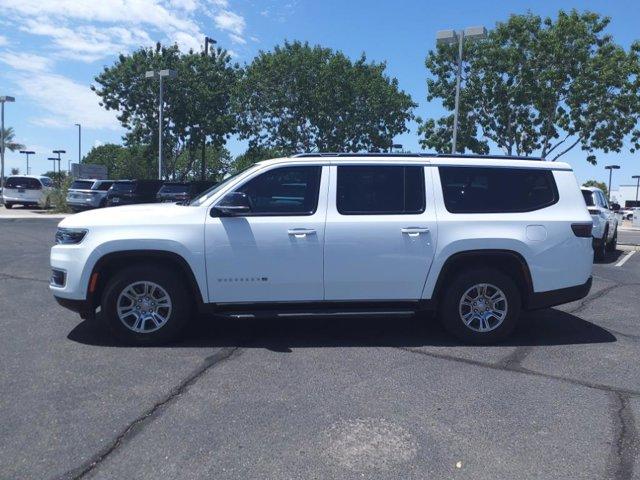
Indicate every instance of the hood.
{"type": "Point", "coordinates": [141, 214]}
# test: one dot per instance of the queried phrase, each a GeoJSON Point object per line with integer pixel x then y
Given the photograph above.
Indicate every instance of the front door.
{"type": "Point", "coordinates": [274, 251]}
{"type": "Point", "coordinates": [380, 233]}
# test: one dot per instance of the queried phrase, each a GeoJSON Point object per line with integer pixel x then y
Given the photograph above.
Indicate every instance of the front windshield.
{"type": "Point", "coordinates": [204, 196]}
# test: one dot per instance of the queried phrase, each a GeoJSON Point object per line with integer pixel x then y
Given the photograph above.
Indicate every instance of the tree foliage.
{"type": "Point", "coordinates": [197, 102]}
{"type": "Point", "coordinates": [601, 185]}
{"type": "Point", "coordinates": [539, 85]}
{"type": "Point", "coordinates": [303, 98]}
{"type": "Point", "coordinates": [9, 140]}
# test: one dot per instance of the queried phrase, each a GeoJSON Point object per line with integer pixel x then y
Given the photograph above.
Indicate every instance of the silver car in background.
{"type": "Point", "coordinates": [84, 194]}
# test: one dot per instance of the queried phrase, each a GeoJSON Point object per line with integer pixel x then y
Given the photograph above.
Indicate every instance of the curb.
{"type": "Point", "coordinates": [628, 247]}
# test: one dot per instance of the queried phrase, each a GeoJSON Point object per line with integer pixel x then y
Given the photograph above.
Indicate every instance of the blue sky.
{"type": "Point", "coordinates": [50, 51]}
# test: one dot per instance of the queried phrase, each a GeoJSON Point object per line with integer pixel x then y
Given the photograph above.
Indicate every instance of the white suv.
{"type": "Point", "coordinates": [605, 221]}
{"type": "Point", "coordinates": [27, 190]}
{"type": "Point", "coordinates": [476, 238]}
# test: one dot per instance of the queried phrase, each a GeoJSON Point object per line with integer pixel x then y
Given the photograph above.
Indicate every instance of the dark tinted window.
{"type": "Point", "coordinates": [496, 190]}
{"type": "Point", "coordinates": [104, 186]}
{"type": "Point", "coordinates": [123, 186]}
{"type": "Point", "coordinates": [284, 191]}
{"type": "Point", "coordinates": [174, 188]}
{"type": "Point", "coordinates": [23, 182]}
{"type": "Point", "coordinates": [369, 190]}
{"type": "Point", "coordinates": [46, 181]}
{"type": "Point", "coordinates": [588, 198]}
{"type": "Point", "coordinates": [81, 185]}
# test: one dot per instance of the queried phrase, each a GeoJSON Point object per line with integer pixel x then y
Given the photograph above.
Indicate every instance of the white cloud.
{"type": "Point", "coordinates": [26, 61]}
{"type": "Point", "coordinates": [237, 39]}
{"type": "Point", "coordinates": [3, 41]}
{"type": "Point", "coordinates": [229, 21]}
{"type": "Point", "coordinates": [65, 102]}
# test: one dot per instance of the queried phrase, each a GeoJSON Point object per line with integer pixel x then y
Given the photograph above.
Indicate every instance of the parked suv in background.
{"type": "Point", "coordinates": [126, 192]}
{"type": "Point", "coordinates": [181, 191]}
{"type": "Point", "coordinates": [605, 221]}
{"type": "Point", "coordinates": [88, 193]}
{"type": "Point", "coordinates": [477, 239]}
{"type": "Point", "coordinates": [27, 190]}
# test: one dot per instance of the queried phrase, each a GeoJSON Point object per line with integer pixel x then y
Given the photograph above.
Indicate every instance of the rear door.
{"type": "Point", "coordinates": [380, 232]}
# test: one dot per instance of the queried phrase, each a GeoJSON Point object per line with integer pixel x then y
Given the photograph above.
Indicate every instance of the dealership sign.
{"type": "Point", "coordinates": [85, 170]}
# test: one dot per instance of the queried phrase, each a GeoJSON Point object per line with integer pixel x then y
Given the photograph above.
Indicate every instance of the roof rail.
{"type": "Point", "coordinates": [413, 155]}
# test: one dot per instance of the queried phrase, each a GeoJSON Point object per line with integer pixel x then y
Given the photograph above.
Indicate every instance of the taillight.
{"type": "Point", "coordinates": [582, 230]}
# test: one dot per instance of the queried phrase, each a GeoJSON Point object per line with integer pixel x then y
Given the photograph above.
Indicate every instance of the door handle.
{"type": "Point", "coordinates": [301, 232]}
{"type": "Point", "coordinates": [414, 231]}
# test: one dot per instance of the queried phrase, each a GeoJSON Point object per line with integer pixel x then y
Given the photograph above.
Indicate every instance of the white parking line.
{"type": "Point", "coordinates": [625, 258]}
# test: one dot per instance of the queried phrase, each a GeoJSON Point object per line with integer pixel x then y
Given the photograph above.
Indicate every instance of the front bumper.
{"type": "Point", "coordinates": [552, 298]}
{"type": "Point", "coordinates": [81, 307]}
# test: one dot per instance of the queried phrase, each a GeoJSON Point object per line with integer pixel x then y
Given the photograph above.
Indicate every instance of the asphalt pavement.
{"type": "Point", "coordinates": [298, 398]}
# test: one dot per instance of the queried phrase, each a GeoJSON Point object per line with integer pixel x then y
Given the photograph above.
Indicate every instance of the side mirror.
{"type": "Point", "coordinates": [234, 203]}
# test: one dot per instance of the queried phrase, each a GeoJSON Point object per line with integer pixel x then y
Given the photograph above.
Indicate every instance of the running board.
{"type": "Point", "coordinates": [294, 314]}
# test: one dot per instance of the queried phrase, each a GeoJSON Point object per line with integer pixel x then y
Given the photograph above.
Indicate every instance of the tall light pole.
{"type": "Point", "coordinates": [54, 160]}
{"type": "Point", "coordinates": [449, 37]}
{"type": "Point", "coordinates": [160, 74]}
{"type": "Point", "coordinates": [611, 168]}
{"type": "Point", "coordinates": [27, 153]}
{"type": "Point", "coordinates": [58, 152]}
{"type": "Point", "coordinates": [4, 99]}
{"type": "Point", "coordinates": [79, 142]}
{"type": "Point", "coordinates": [203, 168]}
{"type": "Point", "coordinates": [637, 177]}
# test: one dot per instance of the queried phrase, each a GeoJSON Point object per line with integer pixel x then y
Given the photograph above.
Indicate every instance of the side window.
{"type": "Point", "coordinates": [603, 200]}
{"type": "Point", "coordinates": [496, 190]}
{"type": "Point", "coordinates": [380, 190]}
{"type": "Point", "coordinates": [284, 191]}
{"type": "Point", "coordinates": [104, 186]}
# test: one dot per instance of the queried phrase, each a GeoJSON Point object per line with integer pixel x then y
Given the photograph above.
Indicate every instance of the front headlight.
{"type": "Point", "coordinates": [70, 236]}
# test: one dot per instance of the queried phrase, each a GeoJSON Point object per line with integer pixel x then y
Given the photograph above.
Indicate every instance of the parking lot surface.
{"type": "Point", "coordinates": [340, 398]}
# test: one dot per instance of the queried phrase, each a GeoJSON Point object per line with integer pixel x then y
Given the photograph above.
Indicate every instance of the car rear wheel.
{"type": "Point", "coordinates": [611, 246]}
{"type": "Point", "coordinates": [146, 305]}
{"type": "Point", "coordinates": [600, 247]}
{"type": "Point", "coordinates": [481, 306]}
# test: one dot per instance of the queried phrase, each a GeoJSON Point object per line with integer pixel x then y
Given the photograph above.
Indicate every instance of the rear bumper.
{"type": "Point", "coordinates": [81, 307]}
{"type": "Point", "coordinates": [552, 298]}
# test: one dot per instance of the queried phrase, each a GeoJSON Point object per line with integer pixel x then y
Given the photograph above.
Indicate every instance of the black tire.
{"type": "Point", "coordinates": [611, 246]}
{"type": "Point", "coordinates": [8, 206]}
{"type": "Point", "coordinates": [175, 288]}
{"type": "Point", "coordinates": [451, 317]}
{"type": "Point", "coordinates": [600, 248]}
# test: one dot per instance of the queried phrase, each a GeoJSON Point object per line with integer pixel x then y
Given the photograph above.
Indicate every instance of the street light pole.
{"type": "Point", "coordinates": [160, 74]}
{"type": "Point", "coordinates": [203, 167]}
{"type": "Point", "coordinates": [54, 160]}
{"type": "Point", "coordinates": [611, 168]}
{"type": "Point", "coordinates": [58, 152]}
{"type": "Point", "coordinates": [448, 37]}
{"type": "Point", "coordinates": [637, 177]}
{"type": "Point", "coordinates": [79, 142]}
{"type": "Point", "coordinates": [3, 100]}
{"type": "Point", "coordinates": [27, 153]}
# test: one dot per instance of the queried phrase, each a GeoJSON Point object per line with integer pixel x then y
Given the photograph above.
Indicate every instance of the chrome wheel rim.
{"type": "Point", "coordinates": [483, 307]}
{"type": "Point", "coordinates": [144, 307]}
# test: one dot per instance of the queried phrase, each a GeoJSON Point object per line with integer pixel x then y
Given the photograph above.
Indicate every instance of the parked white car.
{"type": "Point", "coordinates": [27, 190]}
{"type": "Point", "coordinates": [84, 194]}
{"type": "Point", "coordinates": [605, 221]}
{"type": "Point", "coordinates": [478, 239]}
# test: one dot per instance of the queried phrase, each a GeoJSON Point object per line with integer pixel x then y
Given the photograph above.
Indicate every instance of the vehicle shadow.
{"type": "Point", "coordinates": [543, 327]}
{"type": "Point", "coordinates": [610, 257]}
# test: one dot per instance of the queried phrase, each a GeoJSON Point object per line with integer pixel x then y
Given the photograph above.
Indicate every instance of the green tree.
{"type": "Point", "coordinates": [253, 155]}
{"type": "Point", "coordinates": [539, 85]}
{"type": "Point", "coordinates": [9, 140]}
{"type": "Point", "coordinates": [303, 98]}
{"type": "Point", "coordinates": [187, 167]}
{"type": "Point", "coordinates": [106, 155]}
{"type": "Point", "coordinates": [601, 185]}
{"type": "Point", "coordinates": [197, 102]}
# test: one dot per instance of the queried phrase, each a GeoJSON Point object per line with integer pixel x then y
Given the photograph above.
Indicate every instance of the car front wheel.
{"type": "Point", "coordinates": [611, 246]}
{"type": "Point", "coordinates": [481, 306]}
{"type": "Point", "coordinates": [146, 305]}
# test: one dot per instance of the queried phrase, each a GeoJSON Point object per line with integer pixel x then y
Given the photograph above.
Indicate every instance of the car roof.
{"type": "Point", "coordinates": [592, 189]}
{"type": "Point", "coordinates": [419, 159]}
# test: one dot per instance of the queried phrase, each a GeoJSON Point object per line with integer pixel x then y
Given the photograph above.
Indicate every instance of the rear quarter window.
{"type": "Point", "coordinates": [497, 190]}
